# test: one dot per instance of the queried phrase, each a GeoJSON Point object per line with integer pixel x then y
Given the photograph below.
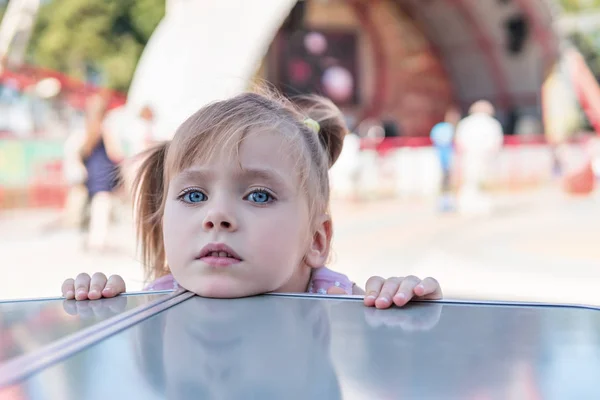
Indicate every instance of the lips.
{"type": "Point", "coordinates": [217, 251]}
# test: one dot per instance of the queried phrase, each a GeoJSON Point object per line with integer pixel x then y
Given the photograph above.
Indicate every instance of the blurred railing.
{"type": "Point", "coordinates": [73, 90]}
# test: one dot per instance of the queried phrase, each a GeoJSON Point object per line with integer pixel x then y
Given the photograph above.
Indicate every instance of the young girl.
{"type": "Point", "coordinates": [197, 350]}
{"type": "Point", "coordinates": [236, 204]}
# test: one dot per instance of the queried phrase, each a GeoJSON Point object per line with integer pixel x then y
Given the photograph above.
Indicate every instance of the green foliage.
{"type": "Point", "coordinates": [586, 40]}
{"type": "Point", "coordinates": [573, 6]}
{"type": "Point", "coordinates": [74, 36]}
{"type": "Point", "coordinates": [588, 44]}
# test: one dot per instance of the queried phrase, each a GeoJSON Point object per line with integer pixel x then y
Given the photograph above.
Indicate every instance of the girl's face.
{"type": "Point", "coordinates": [240, 226]}
{"type": "Point", "coordinates": [274, 347]}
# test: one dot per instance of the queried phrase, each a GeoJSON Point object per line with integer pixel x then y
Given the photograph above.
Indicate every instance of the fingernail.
{"type": "Point", "coordinates": [421, 287]}
{"type": "Point", "coordinates": [80, 292]}
{"type": "Point", "coordinates": [384, 299]}
{"type": "Point", "coordinates": [401, 296]}
{"type": "Point", "coordinates": [70, 294]}
{"type": "Point", "coordinates": [107, 290]}
{"type": "Point", "coordinates": [372, 296]}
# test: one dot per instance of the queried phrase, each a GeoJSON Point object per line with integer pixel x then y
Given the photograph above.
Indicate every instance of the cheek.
{"type": "Point", "coordinates": [286, 237]}
{"type": "Point", "coordinates": [177, 231]}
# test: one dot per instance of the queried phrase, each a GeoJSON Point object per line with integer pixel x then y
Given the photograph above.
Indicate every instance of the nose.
{"type": "Point", "coordinates": [220, 220]}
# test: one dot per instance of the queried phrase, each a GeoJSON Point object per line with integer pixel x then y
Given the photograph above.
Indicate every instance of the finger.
{"type": "Point", "coordinates": [101, 309]}
{"type": "Point", "coordinates": [372, 289]}
{"type": "Point", "coordinates": [98, 309]}
{"type": "Point", "coordinates": [336, 290]}
{"type": "Point", "coordinates": [424, 318]}
{"type": "Point", "coordinates": [97, 285]}
{"type": "Point", "coordinates": [376, 318]}
{"type": "Point", "coordinates": [68, 289]}
{"type": "Point", "coordinates": [372, 318]}
{"type": "Point", "coordinates": [428, 318]}
{"type": "Point", "coordinates": [410, 320]}
{"type": "Point", "coordinates": [82, 286]}
{"type": "Point", "coordinates": [389, 289]}
{"type": "Point", "coordinates": [70, 307]}
{"type": "Point", "coordinates": [406, 290]}
{"type": "Point", "coordinates": [114, 286]}
{"type": "Point", "coordinates": [84, 309]}
{"type": "Point", "coordinates": [429, 289]}
{"type": "Point", "coordinates": [117, 304]}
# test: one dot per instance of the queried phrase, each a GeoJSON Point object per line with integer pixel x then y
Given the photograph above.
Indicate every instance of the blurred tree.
{"type": "Point", "coordinates": [103, 36]}
{"type": "Point", "coordinates": [585, 37]}
{"type": "Point", "coordinates": [588, 44]}
{"type": "Point", "coordinates": [572, 6]}
{"type": "Point", "coordinates": [586, 40]}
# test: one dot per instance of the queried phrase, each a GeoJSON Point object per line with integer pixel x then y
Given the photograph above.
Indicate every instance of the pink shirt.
{"type": "Point", "coordinates": [321, 280]}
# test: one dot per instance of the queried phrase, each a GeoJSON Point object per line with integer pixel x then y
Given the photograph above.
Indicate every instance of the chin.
{"type": "Point", "coordinates": [223, 289]}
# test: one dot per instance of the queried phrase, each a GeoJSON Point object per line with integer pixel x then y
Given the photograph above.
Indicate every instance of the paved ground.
{"type": "Point", "coordinates": [537, 246]}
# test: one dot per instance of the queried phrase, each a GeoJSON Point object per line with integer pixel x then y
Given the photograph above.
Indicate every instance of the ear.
{"type": "Point", "coordinates": [320, 244]}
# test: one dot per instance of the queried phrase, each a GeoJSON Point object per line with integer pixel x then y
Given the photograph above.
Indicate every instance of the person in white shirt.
{"type": "Point", "coordinates": [345, 173]}
{"type": "Point", "coordinates": [479, 139]}
{"type": "Point", "coordinates": [136, 129]}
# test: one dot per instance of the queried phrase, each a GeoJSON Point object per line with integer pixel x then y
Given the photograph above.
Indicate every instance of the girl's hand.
{"type": "Point", "coordinates": [421, 319]}
{"type": "Point", "coordinates": [105, 308]}
{"type": "Point", "coordinates": [382, 293]}
{"type": "Point", "coordinates": [96, 287]}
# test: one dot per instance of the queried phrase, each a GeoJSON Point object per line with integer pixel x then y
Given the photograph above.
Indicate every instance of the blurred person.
{"type": "Point", "coordinates": [101, 152]}
{"type": "Point", "coordinates": [19, 118]}
{"type": "Point", "coordinates": [134, 128]}
{"type": "Point", "coordinates": [579, 176]}
{"type": "Point", "coordinates": [143, 130]}
{"type": "Point", "coordinates": [594, 151]}
{"type": "Point", "coordinates": [146, 121]}
{"type": "Point", "coordinates": [528, 125]}
{"type": "Point", "coordinates": [479, 139]}
{"type": "Point", "coordinates": [345, 174]}
{"type": "Point", "coordinates": [46, 106]}
{"type": "Point", "coordinates": [75, 174]}
{"type": "Point", "coordinates": [136, 131]}
{"type": "Point", "coordinates": [368, 185]}
{"type": "Point", "coordinates": [442, 137]}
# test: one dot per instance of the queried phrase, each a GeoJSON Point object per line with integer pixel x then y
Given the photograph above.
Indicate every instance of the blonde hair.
{"type": "Point", "coordinates": [224, 125]}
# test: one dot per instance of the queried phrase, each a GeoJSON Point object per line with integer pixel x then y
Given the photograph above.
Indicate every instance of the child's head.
{"type": "Point", "coordinates": [237, 203]}
{"type": "Point", "coordinates": [261, 347]}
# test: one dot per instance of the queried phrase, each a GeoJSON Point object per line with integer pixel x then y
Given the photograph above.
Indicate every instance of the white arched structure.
{"type": "Point", "coordinates": [203, 50]}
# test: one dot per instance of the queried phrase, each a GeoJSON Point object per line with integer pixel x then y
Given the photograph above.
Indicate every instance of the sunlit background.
{"type": "Point", "coordinates": [395, 68]}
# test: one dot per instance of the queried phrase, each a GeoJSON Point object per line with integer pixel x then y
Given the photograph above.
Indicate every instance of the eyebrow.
{"type": "Point", "coordinates": [266, 174]}
{"type": "Point", "coordinates": [194, 175]}
{"type": "Point", "coordinates": [269, 175]}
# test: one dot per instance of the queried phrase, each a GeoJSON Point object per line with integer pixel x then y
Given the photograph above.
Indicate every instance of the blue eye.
{"type": "Point", "coordinates": [193, 196]}
{"type": "Point", "coordinates": [260, 197]}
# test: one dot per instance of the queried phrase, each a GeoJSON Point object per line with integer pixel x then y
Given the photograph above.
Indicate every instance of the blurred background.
{"type": "Point", "coordinates": [474, 155]}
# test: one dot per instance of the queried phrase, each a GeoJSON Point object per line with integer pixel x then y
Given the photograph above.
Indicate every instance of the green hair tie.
{"type": "Point", "coordinates": [312, 125]}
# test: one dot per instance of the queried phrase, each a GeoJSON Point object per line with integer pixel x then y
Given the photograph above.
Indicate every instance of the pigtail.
{"type": "Point", "coordinates": [148, 193]}
{"type": "Point", "coordinates": [331, 125]}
